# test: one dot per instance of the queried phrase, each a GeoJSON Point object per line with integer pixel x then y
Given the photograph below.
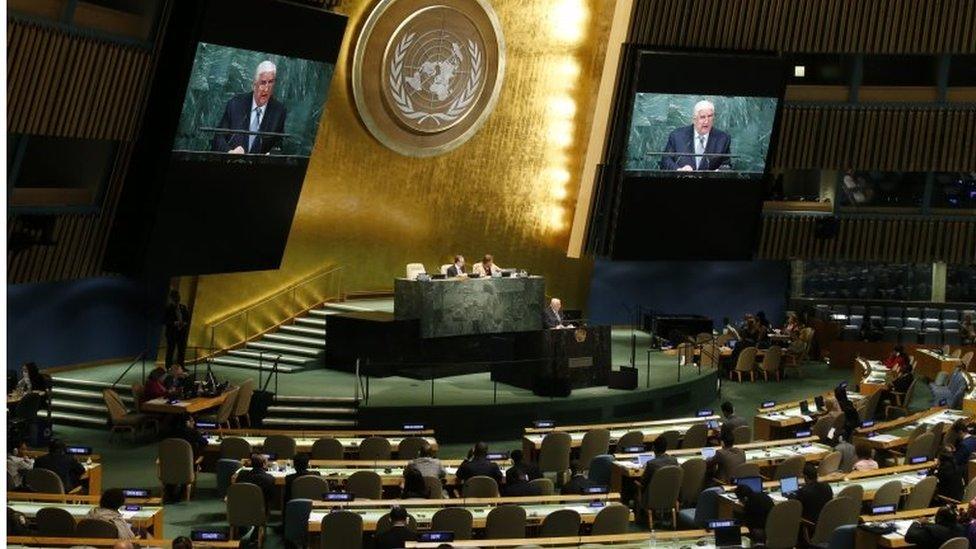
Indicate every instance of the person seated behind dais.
{"type": "Point", "coordinates": [457, 268]}
{"type": "Point", "coordinates": [486, 267]}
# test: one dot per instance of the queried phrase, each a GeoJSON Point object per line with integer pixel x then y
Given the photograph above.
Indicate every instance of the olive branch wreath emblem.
{"type": "Point", "coordinates": [402, 99]}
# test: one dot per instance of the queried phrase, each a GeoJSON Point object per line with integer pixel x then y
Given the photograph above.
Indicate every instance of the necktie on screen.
{"type": "Point", "coordinates": [699, 149]}
{"type": "Point", "coordinates": [255, 126]}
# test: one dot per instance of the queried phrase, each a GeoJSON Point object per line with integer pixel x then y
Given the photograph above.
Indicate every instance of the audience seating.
{"type": "Point", "coordinates": [829, 464]}
{"type": "Point", "coordinates": [42, 480]}
{"type": "Point", "coordinates": [480, 487]}
{"type": "Point", "coordinates": [662, 494]}
{"type": "Point", "coordinates": [309, 487]}
{"type": "Point", "coordinates": [327, 448]}
{"type": "Point", "coordinates": [375, 448]}
{"type": "Point", "coordinates": [922, 493]}
{"type": "Point", "coordinates": [295, 521]}
{"type": "Point", "coordinates": [706, 509]}
{"type": "Point", "coordinates": [855, 492]}
{"type": "Point", "coordinates": [453, 519]}
{"type": "Point", "coordinates": [836, 513]}
{"type": "Point", "coordinates": [234, 448]}
{"type": "Point", "coordinates": [783, 524]}
{"type": "Point", "coordinates": [546, 486]}
{"type": "Point", "coordinates": [223, 415]}
{"type": "Point", "coordinates": [96, 528]}
{"type": "Point", "coordinates": [342, 530]}
{"type": "Point", "coordinates": [696, 436]}
{"type": "Point", "coordinates": [612, 519]}
{"type": "Point", "coordinates": [385, 523]}
{"type": "Point", "coordinates": [554, 455]}
{"type": "Point", "coordinates": [595, 442]}
{"type": "Point", "coordinates": [409, 447]}
{"type": "Point", "coordinates": [692, 480]}
{"type": "Point", "coordinates": [55, 522]}
{"type": "Point", "coordinates": [176, 464]}
{"type": "Point", "coordinates": [281, 446]}
{"type": "Point", "coordinates": [242, 404]}
{"type": "Point", "coordinates": [888, 494]}
{"type": "Point", "coordinates": [505, 521]}
{"type": "Point", "coordinates": [245, 508]}
{"type": "Point", "coordinates": [124, 420]}
{"type": "Point", "coordinates": [225, 469]}
{"type": "Point", "coordinates": [600, 469]}
{"type": "Point", "coordinates": [745, 364]}
{"type": "Point", "coordinates": [435, 488]}
{"type": "Point", "coordinates": [564, 522]}
{"type": "Point", "coordinates": [365, 485]}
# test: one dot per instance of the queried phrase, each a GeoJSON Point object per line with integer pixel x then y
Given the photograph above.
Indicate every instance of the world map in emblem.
{"type": "Point", "coordinates": [435, 70]}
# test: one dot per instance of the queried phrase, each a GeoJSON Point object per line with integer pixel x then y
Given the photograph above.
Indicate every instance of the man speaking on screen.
{"type": "Point", "coordinates": [697, 143]}
{"type": "Point", "coordinates": [256, 111]}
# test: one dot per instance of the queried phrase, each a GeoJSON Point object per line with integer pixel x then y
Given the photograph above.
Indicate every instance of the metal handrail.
{"type": "Point", "coordinates": [292, 289]}
{"type": "Point", "coordinates": [141, 356]}
{"type": "Point", "coordinates": [303, 282]}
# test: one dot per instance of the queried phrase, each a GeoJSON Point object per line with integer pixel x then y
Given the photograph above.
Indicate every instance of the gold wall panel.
{"type": "Point", "coordinates": [510, 190]}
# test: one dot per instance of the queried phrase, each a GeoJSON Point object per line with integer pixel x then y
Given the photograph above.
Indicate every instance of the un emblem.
{"type": "Point", "coordinates": [427, 74]}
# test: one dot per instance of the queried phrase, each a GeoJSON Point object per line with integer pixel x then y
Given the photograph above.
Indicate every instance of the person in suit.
{"type": "Point", "coordinates": [301, 469]}
{"type": "Point", "coordinates": [399, 532]}
{"type": "Point", "coordinates": [413, 485]}
{"type": "Point", "coordinates": [691, 142]}
{"type": "Point", "coordinates": [255, 111]}
{"type": "Point", "coordinates": [813, 495]}
{"type": "Point", "coordinates": [524, 466]}
{"type": "Point", "coordinates": [578, 483]}
{"type": "Point", "coordinates": [259, 476]}
{"type": "Point", "coordinates": [552, 316]}
{"type": "Point", "coordinates": [478, 464]}
{"type": "Point", "coordinates": [661, 459]}
{"type": "Point", "coordinates": [65, 466]}
{"type": "Point", "coordinates": [517, 484]}
{"type": "Point", "coordinates": [457, 268]}
{"type": "Point", "coordinates": [731, 421]}
{"type": "Point", "coordinates": [726, 459]}
{"type": "Point", "coordinates": [486, 267]}
{"type": "Point", "coordinates": [177, 321]}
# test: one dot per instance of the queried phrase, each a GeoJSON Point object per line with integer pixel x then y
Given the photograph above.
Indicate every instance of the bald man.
{"type": "Point", "coordinates": [693, 142]}
{"type": "Point", "coordinates": [552, 316]}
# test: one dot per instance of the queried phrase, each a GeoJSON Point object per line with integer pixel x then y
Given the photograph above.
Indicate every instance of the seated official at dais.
{"type": "Point", "coordinates": [486, 267]}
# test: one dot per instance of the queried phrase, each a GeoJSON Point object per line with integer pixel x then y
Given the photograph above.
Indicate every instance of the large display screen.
{"type": "Point", "coordinates": [676, 132]}
{"type": "Point", "coordinates": [249, 102]}
{"type": "Point", "coordinates": [703, 115]}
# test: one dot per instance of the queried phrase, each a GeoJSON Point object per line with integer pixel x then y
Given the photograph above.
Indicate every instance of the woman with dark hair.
{"type": "Point", "coordinates": [154, 385]}
{"type": "Point", "coordinates": [182, 542]}
{"type": "Point", "coordinates": [414, 486]}
{"type": "Point", "coordinates": [897, 359]}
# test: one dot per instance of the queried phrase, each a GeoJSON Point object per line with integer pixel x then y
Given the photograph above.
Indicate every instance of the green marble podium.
{"type": "Point", "coordinates": [460, 306]}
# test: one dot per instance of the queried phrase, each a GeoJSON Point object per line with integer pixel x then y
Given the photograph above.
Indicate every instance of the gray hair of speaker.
{"type": "Point", "coordinates": [264, 66]}
{"type": "Point", "coordinates": [702, 105]}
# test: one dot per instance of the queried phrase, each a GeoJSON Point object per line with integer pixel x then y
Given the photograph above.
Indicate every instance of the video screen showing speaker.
{"type": "Point", "coordinates": [247, 102]}
{"type": "Point", "coordinates": [237, 103]}
{"type": "Point", "coordinates": [703, 115]}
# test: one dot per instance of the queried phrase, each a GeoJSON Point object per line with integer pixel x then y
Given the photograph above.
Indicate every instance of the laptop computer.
{"type": "Point", "coordinates": [644, 458]}
{"type": "Point", "coordinates": [819, 401]}
{"type": "Point", "coordinates": [754, 483]}
{"type": "Point", "coordinates": [708, 453]}
{"type": "Point", "coordinates": [788, 485]}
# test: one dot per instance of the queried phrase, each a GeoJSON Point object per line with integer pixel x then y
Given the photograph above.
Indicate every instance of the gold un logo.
{"type": "Point", "coordinates": [426, 74]}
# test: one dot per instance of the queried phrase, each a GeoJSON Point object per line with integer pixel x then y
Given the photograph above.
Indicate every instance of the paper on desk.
{"type": "Point", "coordinates": [883, 438]}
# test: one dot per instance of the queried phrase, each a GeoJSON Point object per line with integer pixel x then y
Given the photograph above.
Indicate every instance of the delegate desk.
{"type": "Point", "coordinates": [163, 405]}
{"type": "Point", "coordinates": [782, 420]}
{"type": "Point", "coordinates": [901, 520]}
{"type": "Point", "coordinates": [422, 510]}
{"type": "Point", "coordinates": [467, 306]}
{"type": "Point", "coordinates": [147, 519]}
{"type": "Point", "coordinates": [350, 439]}
{"type": "Point", "coordinates": [532, 438]}
{"type": "Point", "coordinates": [875, 379]}
{"type": "Point", "coordinates": [929, 362]}
{"type": "Point", "coordinates": [93, 470]}
{"type": "Point", "coordinates": [895, 433]}
{"type": "Point", "coordinates": [38, 542]}
{"type": "Point", "coordinates": [765, 454]}
{"type": "Point", "coordinates": [699, 539]}
{"type": "Point", "coordinates": [871, 481]}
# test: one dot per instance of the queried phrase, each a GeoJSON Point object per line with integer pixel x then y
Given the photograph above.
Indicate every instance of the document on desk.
{"type": "Point", "coordinates": [883, 438]}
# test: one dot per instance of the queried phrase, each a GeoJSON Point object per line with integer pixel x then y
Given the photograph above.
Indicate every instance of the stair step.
{"type": "Point", "coordinates": [93, 409]}
{"type": "Point", "coordinates": [297, 399]}
{"type": "Point", "coordinates": [99, 385]}
{"type": "Point", "coordinates": [286, 410]}
{"type": "Point", "coordinates": [268, 358]}
{"type": "Point", "coordinates": [285, 349]}
{"type": "Point", "coordinates": [287, 421]}
{"type": "Point", "coordinates": [310, 321]}
{"type": "Point", "coordinates": [348, 307]}
{"type": "Point", "coordinates": [66, 417]}
{"type": "Point", "coordinates": [83, 394]}
{"type": "Point", "coordinates": [238, 362]}
{"type": "Point", "coordinates": [295, 339]}
{"type": "Point", "coordinates": [322, 313]}
{"type": "Point", "coordinates": [303, 330]}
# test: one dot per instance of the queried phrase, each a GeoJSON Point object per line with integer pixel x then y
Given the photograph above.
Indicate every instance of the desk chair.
{"type": "Point", "coordinates": [631, 438]}
{"type": "Point", "coordinates": [480, 487]}
{"type": "Point", "coordinates": [245, 508]}
{"type": "Point", "coordinates": [295, 521]}
{"type": "Point", "coordinates": [453, 519]}
{"type": "Point", "coordinates": [662, 494]}
{"type": "Point", "coordinates": [564, 522]}
{"type": "Point", "coordinates": [595, 442]}
{"type": "Point", "coordinates": [309, 487]}
{"type": "Point", "coordinates": [235, 448]}
{"type": "Point", "coordinates": [546, 487]}
{"type": "Point", "coordinates": [888, 494]}
{"type": "Point", "coordinates": [43, 481]}
{"type": "Point", "coordinates": [176, 465]}
{"type": "Point", "coordinates": [242, 405]}
{"type": "Point", "coordinates": [791, 467]}
{"type": "Point", "coordinates": [414, 269]}
{"type": "Point", "coordinates": [327, 448]}
{"type": "Point", "coordinates": [342, 530]}
{"type": "Point", "coordinates": [783, 524]}
{"type": "Point", "coordinates": [504, 522]}
{"type": "Point", "coordinates": [829, 464]}
{"type": "Point", "coordinates": [365, 485]}
{"type": "Point", "coordinates": [554, 454]}
{"type": "Point", "coordinates": [855, 492]}
{"type": "Point", "coordinates": [375, 448]}
{"type": "Point", "coordinates": [836, 513]}
{"type": "Point", "coordinates": [409, 447]}
{"type": "Point", "coordinates": [226, 409]}
{"type": "Point", "coordinates": [282, 446]}
{"type": "Point", "coordinates": [922, 493]}
{"type": "Point", "coordinates": [55, 522]}
{"type": "Point", "coordinates": [96, 528]}
{"type": "Point", "coordinates": [692, 480]}
{"type": "Point", "coordinates": [384, 523]}
{"type": "Point", "coordinates": [612, 519]}
{"type": "Point", "coordinates": [695, 437]}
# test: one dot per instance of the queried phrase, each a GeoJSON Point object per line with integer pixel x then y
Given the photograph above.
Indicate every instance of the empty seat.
{"type": "Point", "coordinates": [839, 309]}
{"type": "Point", "coordinates": [951, 337]}
{"type": "Point", "coordinates": [890, 334]}
{"type": "Point", "coordinates": [894, 312]}
{"type": "Point", "coordinates": [280, 446]}
{"type": "Point", "coordinates": [913, 322]}
{"type": "Point", "coordinates": [913, 312]}
{"type": "Point", "coordinates": [876, 311]}
{"type": "Point", "coordinates": [932, 312]}
{"type": "Point", "coordinates": [950, 314]}
{"type": "Point", "coordinates": [950, 324]}
{"type": "Point", "coordinates": [931, 323]}
{"type": "Point", "coordinates": [375, 448]}
{"type": "Point", "coordinates": [851, 333]}
{"type": "Point", "coordinates": [896, 322]}
{"type": "Point", "coordinates": [908, 335]}
{"type": "Point", "coordinates": [856, 320]}
{"type": "Point", "coordinates": [932, 336]}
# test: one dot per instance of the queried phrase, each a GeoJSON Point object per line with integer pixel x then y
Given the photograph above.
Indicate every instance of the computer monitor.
{"type": "Point", "coordinates": [819, 401]}
{"type": "Point", "coordinates": [754, 483]}
{"type": "Point", "coordinates": [788, 485]}
{"type": "Point", "coordinates": [712, 424]}
{"type": "Point", "coordinates": [644, 458]}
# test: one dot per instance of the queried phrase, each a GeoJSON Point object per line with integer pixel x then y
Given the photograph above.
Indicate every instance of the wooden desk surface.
{"type": "Point", "coordinates": [148, 518]}
{"type": "Point", "coordinates": [532, 441]}
{"type": "Point", "coordinates": [41, 542]}
{"type": "Point", "coordinates": [895, 433]}
{"type": "Point", "coordinates": [663, 539]}
{"type": "Point", "coordinates": [161, 405]}
{"type": "Point", "coordinates": [304, 444]}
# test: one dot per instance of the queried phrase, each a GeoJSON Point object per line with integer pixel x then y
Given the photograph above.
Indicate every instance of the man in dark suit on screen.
{"type": "Point", "coordinates": [256, 111]}
{"type": "Point", "coordinates": [694, 141]}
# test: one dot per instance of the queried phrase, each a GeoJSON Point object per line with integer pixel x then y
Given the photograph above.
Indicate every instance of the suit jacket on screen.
{"type": "Point", "coordinates": [681, 141]}
{"type": "Point", "coordinates": [237, 116]}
